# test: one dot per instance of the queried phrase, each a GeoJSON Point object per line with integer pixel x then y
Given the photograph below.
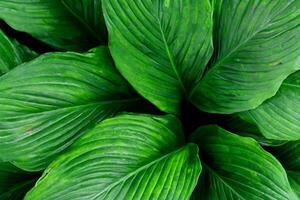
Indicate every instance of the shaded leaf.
{"type": "Point", "coordinates": [47, 103]}
{"type": "Point", "coordinates": [48, 21]}
{"type": "Point", "coordinates": [12, 53]}
{"type": "Point", "coordinates": [89, 13]}
{"type": "Point", "coordinates": [289, 156]}
{"type": "Point", "coordinates": [126, 157]}
{"type": "Point", "coordinates": [14, 183]}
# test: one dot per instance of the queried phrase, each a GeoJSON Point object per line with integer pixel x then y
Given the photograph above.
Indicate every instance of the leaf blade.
{"type": "Point", "coordinates": [230, 174]}
{"type": "Point", "coordinates": [166, 43]}
{"type": "Point", "coordinates": [12, 53]}
{"type": "Point", "coordinates": [258, 47]}
{"type": "Point", "coordinates": [144, 148]}
{"type": "Point", "coordinates": [278, 117]}
{"type": "Point", "coordinates": [48, 21]}
{"type": "Point", "coordinates": [49, 102]}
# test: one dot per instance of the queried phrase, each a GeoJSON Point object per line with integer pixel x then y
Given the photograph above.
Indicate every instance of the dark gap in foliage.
{"type": "Point", "coordinates": [144, 106]}
{"type": "Point", "coordinates": [25, 39]}
{"type": "Point", "coordinates": [192, 118]}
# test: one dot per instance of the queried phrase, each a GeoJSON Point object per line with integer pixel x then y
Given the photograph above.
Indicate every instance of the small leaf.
{"type": "Point", "coordinates": [48, 21]}
{"type": "Point", "coordinates": [257, 46]}
{"type": "Point", "coordinates": [236, 167]}
{"type": "Point", "coordinates": [161, 47]}
{"type": "Point", "coordinates": [12, 53]}
{"type": "Point", "coordinates": [89, 13]}
{"type": "Point", "coordinates": [47, 103]}
{"type": "Point", "coordinates": [132, 157]}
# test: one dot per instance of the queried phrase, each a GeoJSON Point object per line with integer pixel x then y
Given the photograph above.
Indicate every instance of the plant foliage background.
{"type": "Point", "coordinates": [150, 99]}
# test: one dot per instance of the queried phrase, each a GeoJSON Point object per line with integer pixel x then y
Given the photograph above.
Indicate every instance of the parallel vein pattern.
{"type": "Point", "coordinates": [257, 46]}
{"type": "Point", "coordinates": [12, 54]}
{"type": "Point", "coordinates": [289, 156]}
{"type": "Point", "coordinates": [48, 21]}
{"type": "Point", "coordinates": [127, 157]}
{"type": "Point", "coordinates": [47, 103]}
{"type": "Point", "coordinates": [161, 47]}
{"type": "Point", "coordinates": [278, 118]}
{"type": "Point", "coordinates": [89, 13]}
{"type": "Point", "coordinates": [237, 167]}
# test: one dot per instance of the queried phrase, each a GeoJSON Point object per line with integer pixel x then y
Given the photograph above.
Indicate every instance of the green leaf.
{"type": "Point", "coordinates": [289, 155]}
{"type": "Point", "coordinates": [236, 124]}
{"type": "Point", "coordinates": [161, 47]}
{"type": "Point", "coordinates": [48, 21]}
{"type": "Point", "coordinates": [12, 53]}
{"type": "Point", "coordinates": [278, 118]}
{"type": "Point", "coordinates": [89, 13]}
{"type": "Point", "coordinates": [136, 157]}
{"type": "Point", "coordinates": [236, 167]}
{"type": "Point", "coordinates": [14, 183]}
{"type": "Point", "coordinates": [47, 103]}
{"type": "Point", "coordinates": [257, 46]}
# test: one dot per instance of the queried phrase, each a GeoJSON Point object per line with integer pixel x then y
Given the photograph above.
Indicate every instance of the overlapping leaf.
{"type": "Point", "coordinates": [47, 20]}
{"type": "Point", "coordinates": [126, 157]}
{"type": "Point", "coordinates": [47, 103]}
{"type": "Point", "coordinates": [14, 183]}
{"type": "Point", "coordinates": [12, 53]}
{"type": "Point", "coordinates": [91, 16]}
{"type": "Point", "coordinates": [236, 167]}
{"type": "Point", "coordinates": [279, 117]}
{"type": "Point", "coordinates": [161, 47]}
{"type": "Point", "coordinates": [289, 156]}
{"type": "Point", "coordinates": [257, 46]}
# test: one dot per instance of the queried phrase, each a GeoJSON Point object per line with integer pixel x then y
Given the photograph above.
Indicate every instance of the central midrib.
{"type": "Point", "coordinates": [232, 51]}
{"type": "Point", "coordinates": [171, 57]}
{"type": "Point", "coordinates": [130, 174]}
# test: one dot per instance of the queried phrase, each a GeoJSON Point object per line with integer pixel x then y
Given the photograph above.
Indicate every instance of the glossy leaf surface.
{"type": "Point", "coordinates": [132, 157]}
{"type": "Point", "coordinates": [47, 103]}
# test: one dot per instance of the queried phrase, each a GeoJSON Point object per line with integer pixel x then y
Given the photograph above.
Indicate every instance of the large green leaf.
{"type": "Point", "coordinates": [236, 167]}
{"type": "Point", "coordinates": [14, 183]}
{"type": "Point", "coordinates": [48, 102]}
{"type": "Point", "coordinates": [89, 12]}
{"type": "Point", "coordinates": [289, 156]}
{"type": "Point", "coordinates": [47, 20]}
{"type": "Point", "coordinates": [257, 46]}
{"type": "Point", "coordinates": [12, 53]}
{"type": "Point", "coordinates": [278, 118]}
{"type": "Point", "coordinates": [161, 47]}
{"type": "Point", "coordinates": [132, 157]}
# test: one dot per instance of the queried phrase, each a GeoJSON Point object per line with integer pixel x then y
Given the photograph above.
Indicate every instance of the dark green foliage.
{"type": "Point", "coordinates": [150, 99]}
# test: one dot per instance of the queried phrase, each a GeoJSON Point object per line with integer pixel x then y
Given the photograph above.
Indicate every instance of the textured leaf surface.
{"type": "Point", "coordinates": [12, 53]}
{"type": "Point", "coordinates": [161, 47]}
{"type": "Point", "coordinates": [136, 157]}
{"type": "Point", "coordinates": [14, 183]}
{"type": "Point", "coordinates": [236, 167]}
{"type": "Point", "coordinates": [89, 13]}
{"type": "Point", "coordinates": [236, 124]}
{"type": "Point", "coordinates": [257, 46]}
{"type": "Point", "coordinates": [289, 156]}
{"type": "Point", "coordinates": [278, 118]}
{"type": "Point", "coordinates": [47, 103]}
{"type": "Point", "coordinates": [48, 21]}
